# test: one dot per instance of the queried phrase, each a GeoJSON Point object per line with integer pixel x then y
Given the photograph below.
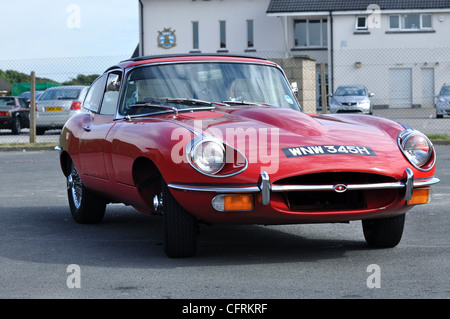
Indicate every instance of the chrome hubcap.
{"type": "Point", "coordinates": [75, 185]}
{"type": "Point", "coordinates": [157, 203]}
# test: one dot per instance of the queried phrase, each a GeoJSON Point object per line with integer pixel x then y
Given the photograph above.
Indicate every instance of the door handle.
{"type": "Point", "coordinates": [86, 128]}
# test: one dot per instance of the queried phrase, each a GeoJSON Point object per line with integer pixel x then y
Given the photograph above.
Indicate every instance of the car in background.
{"type": "Point", "coordinates": [443, 101]}
{"type": "Point", "coordinates": [351, 99]}
{"type": "Point", "coordinates": [14, 114]}
{"type": "Point", "coordinates": [56, 105]}
{"type": "Point", "coordinates": [26, 96]}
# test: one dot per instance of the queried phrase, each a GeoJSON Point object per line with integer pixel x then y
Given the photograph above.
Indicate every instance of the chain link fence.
{"type": "Point", "coordinates": [50, 72]}
{"type": "Point", "coordinates": [404, 82]}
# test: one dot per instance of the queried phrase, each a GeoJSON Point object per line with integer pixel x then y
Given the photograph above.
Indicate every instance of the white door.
{"type": "Point", "coordinates": [400, 88]}
{"type": "Point", "coordinates": [427, 88]}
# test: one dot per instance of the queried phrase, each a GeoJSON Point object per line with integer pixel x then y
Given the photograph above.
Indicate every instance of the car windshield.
{"type": "Point", "coordinates": [186, 86]}
{"type": "Point", "coordinates": [350, 91]}
{"type": "Point", "coordinates": [445, 90]}
{"type": "Point", "coordinates": [60, 94]}
{"type": "Point", "coordinates": [7, 102]}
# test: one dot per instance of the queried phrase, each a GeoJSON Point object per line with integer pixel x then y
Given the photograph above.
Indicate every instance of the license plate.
{"type": "Point", "coordinates": [327, 150]}
{"type": "Point", "coordinates": [54, 109]}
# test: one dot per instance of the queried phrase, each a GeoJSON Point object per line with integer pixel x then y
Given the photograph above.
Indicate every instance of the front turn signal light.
{"type": "Point", "coordinates": [420, 196]}
{"type": "Point", "coordinates": [233, 202]}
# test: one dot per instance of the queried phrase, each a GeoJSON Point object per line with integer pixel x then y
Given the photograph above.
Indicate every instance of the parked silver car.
{"type": "Point", "coordinates": [351, 99]}
{"type": "Point", "coordinates": [56, 105]}
{"type": "Point", "coordinates": [443, 101]}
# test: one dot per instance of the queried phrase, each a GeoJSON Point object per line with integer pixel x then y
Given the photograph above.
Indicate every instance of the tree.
{"type": "Point", "coordinates": [82, 80]}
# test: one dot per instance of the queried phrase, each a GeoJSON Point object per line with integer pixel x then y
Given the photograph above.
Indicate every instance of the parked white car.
{"type": "Point", "coordinates": [56, 105]}
{"type": "Point", "coordinates": [351, 99]}
{"type": "Point", "coordinates": [443, 101]}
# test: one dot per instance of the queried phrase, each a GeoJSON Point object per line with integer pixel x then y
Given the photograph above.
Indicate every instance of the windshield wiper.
{"type": "Point", "coordinates": [247, 103]}
{"type": "Point", "coordinates": [169, 108]}
{"type": "Point", "coordinates": [186, 101]}
{"type": "Point", "coordinates": [241, 103]}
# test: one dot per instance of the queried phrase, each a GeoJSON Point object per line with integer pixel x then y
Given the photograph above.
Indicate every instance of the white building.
{"type": "Point", "coordinates": [208, 26]}
{"type": "Point", "coordinates": [398, 49]}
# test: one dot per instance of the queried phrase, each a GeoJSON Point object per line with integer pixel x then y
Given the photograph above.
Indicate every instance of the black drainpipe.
{"type": "Point", "coordinates": [141, 40]}
{"type": "Point", "coordinates": [331, 77]}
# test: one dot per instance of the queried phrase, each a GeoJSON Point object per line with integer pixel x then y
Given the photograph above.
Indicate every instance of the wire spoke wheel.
{"type": "Point", "coordinates": [75, 186]}
{"type": "Point", "coordinates": [85, 206]}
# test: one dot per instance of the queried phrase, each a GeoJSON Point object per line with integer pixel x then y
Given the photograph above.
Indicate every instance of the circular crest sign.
{"type": "Point", "coordinates": [166, 38]}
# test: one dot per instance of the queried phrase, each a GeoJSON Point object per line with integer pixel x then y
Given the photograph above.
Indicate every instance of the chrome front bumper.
{"type": "Point", "coordinates": [265, 187]}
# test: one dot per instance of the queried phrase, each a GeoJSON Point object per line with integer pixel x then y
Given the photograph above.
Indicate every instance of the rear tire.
{"type": "Point", "coordinates": [40, 131]}
{"type": "Point", "coordinates": [385, 232]}
{"type": "Point", "coordinates": [85, 206]}
{"type": "Point", "coordinates": [16, 126]}
{"type": "Point", "coordinates": [180, 227]}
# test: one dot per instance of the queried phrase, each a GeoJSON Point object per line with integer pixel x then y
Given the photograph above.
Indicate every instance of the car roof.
{"type": "Point", "coordinates": [68, 87]}
{"type": "Point", "coordinates": [351, 86]}
{"type": "Point", "coordinates": [10, 97]}
{"type": "Point", "coordinates": [189, 58]}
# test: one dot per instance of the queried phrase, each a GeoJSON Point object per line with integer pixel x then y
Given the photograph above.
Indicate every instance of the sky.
{"type": "Point", "coordinates": [68, 28]}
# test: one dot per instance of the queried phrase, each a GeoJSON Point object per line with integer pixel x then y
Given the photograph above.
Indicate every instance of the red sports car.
{"type": "Point", "coordinates": [222, 139]}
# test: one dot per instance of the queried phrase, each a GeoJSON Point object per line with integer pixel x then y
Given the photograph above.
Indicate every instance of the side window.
{"type": "Point", "coordinates": [22, 103]}
{"type": "Point", "coordinates": [111, 96]}
{"type": "Point", "coordinates": [95, 94]}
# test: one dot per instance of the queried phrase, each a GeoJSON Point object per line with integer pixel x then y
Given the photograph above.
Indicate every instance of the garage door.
{"type": "Point", "coordinates": [400, 88]}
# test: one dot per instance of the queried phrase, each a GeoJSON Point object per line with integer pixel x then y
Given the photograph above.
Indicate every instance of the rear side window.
{"type": "Point", "coordinates": [111, 95]}
{"type": "Point", "coordinates": [22, 103]}
{"type": "Point", "coordinates": [95, 94]}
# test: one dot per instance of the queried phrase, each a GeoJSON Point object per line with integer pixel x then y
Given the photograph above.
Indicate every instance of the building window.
{"type": "Point", "coordinates": [223, 34]}
{"type": "Point", "coordinates": [361, 23]}
{"type": "Point", "coordinates": [250, 42]}
{"type": "Point", "coordinates": [310, 33]}
{"type": "Point", "coordinates": [195, 44]}
{"type": "Point", "coordinates": [410, 22]}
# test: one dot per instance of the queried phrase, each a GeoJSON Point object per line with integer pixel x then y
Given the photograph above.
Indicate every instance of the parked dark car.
{"type": "Point", "coordinates": [26, 96]}
{"type": "Point", "coordinates": [14, 114]}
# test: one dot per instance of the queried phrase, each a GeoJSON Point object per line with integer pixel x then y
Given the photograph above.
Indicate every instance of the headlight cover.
{"type": "Point", "coordinates": [364, 103]}
{"type": "Point", "coordinates": [207, 156]}
{"type": "Point", "coordinates": [417, 148]}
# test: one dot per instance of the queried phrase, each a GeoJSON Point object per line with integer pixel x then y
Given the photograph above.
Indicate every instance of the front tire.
{"type": "Point", "coordinates": [85, 206]}
{"type": "Point", "coordinates": [384, 232]}
{"type": "Point", "coordinates": [180, 227]}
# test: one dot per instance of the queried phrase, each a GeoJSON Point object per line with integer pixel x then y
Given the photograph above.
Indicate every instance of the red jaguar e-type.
{"type": "Point", "coordinates": [222, 139]}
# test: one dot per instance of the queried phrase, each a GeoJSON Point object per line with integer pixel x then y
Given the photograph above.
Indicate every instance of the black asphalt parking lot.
{"type": "Point", "coordinates": [45, 254]}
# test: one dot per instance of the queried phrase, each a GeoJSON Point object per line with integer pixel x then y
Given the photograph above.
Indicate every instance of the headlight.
{"type": "Point", "coordinates": [417, 148]}
{"type": "Point", "coordinates": [208, 156]}
{"type": "Point", "coordinates": [364, 103]}
{"type": "Point", "coordinates": [334, 102]}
